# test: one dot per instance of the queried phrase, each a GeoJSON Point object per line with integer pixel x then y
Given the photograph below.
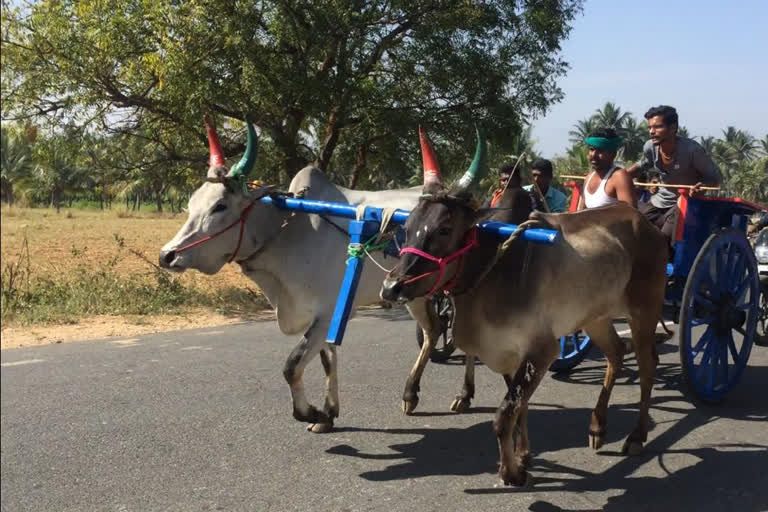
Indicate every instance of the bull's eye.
{"type": "Point", "coordinates": [219, 208]}
{"type": "Point", "coordinates": [444, 231]}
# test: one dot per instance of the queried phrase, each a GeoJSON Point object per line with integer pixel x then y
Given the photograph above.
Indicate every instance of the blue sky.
{"type": "Point", "coordinates": [708, 59]}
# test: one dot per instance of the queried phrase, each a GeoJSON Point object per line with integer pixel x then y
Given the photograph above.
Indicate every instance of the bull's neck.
{"type": "Point", "coordinates": [484, 260]}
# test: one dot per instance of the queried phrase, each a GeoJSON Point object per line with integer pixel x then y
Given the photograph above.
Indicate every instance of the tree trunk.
{"type": "Point", "coordinates": [159, 203]}
{"type": "Point", "coordinates": [333, 131]}
{"type": "Point", "coordinates": [8, 192]}
{"type": "Point", "coordinates": [361, 162]}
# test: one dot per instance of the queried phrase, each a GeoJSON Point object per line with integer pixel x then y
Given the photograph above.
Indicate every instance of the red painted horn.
{"type": "Point", "coordinates": [216, 158]}
{"type": "Point", "coordinates": [428, 159]}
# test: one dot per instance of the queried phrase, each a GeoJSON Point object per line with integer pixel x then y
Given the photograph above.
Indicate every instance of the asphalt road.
{"type": "Point", "coordinates": [201, 420]}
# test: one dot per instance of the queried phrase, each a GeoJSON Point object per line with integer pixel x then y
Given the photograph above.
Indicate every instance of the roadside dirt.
{"type": "Point", "coordinates": [105, 326]}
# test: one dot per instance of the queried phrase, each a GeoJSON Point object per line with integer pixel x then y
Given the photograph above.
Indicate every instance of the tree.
{"type": "Point", "coordinates": [315, 77]}
{"type": "Point", "coordinates": [739, 145]}
{"type": "Point", "coordinates": [581, 131]}
{"type": "Point", "coordinates": [635, 135]}
{"type": "Point", "coordinates": [764, 146]}
{"type": "Point", "coordinates": [15, 163]}
{"type": "Point", "coordinates": [611, 116]}
{"type": "Point", "coordinates": [708, 143]}
{"type": "Point", "coordinates": [750, 180]}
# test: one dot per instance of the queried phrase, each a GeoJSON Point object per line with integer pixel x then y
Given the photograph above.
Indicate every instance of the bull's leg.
{"type": "Point", "coordinates": [512, 468]}
{"type": "Point", "coordinates": [604, 335]}
{"type": "Point", "coordinates": [329, 359]}
{"type": "Point", "coordinates": [310, 345]}
{"type": "Point", "coordinates": [425, 315]}
{"type": "Point", "coordinates": [464, 398]}
{"type": "Point", "coordinates": [643, 340]}
{"type": "Point", "coordinates": [522, 447]}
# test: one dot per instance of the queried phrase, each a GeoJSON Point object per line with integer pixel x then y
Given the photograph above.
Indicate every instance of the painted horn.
{"type": "Point", "coordinates": [216, 158]}
{"type": "Point", "coordinates": [246, 163]}
{"type": "Point", "coordinates": [428, 159]}
{"type": "Point", "coordinates": [478, 166]}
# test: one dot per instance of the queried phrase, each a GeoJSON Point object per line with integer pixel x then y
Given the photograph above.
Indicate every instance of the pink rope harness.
{"type": "Point", "coordinates": [241, 221]}
{"type": "Point", "coordinates": [442, 263]}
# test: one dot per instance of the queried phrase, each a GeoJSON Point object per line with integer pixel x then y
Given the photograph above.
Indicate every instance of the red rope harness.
{"type": "Point", "coordinates": [241, 221]}
{"type": "Point", "coordinates": [442, 263]}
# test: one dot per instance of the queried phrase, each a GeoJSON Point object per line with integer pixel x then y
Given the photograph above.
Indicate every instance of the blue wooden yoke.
{"type": "Point", "coordinates": [365, 228]}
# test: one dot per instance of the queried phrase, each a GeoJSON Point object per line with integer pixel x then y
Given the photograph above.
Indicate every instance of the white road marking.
{"type": "Point", "coordinates": [196, 347]}
{"type": "Point", "coordinates": [126, 343]}
{"type": "Point", "coordinates": [206, 333]}
{"type": "Point", "coordinates": [20, 363]}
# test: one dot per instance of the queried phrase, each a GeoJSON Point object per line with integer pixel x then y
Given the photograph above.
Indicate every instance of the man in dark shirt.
{"type": "Point", "coordinates": [674, 160]}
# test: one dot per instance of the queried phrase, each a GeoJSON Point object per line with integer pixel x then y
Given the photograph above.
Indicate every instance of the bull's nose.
{"type": "Point", "coordinates": [391, 288]}
{"type": "Point", "coordinates": [166, 258]}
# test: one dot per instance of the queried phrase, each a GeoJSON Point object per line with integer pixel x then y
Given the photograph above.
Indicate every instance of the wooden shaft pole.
{"type": "Point", "coordinates": [640, 184]}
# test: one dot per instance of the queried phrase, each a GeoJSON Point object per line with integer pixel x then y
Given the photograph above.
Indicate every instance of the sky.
{"type": "Point", "coordinates": [708, 59]}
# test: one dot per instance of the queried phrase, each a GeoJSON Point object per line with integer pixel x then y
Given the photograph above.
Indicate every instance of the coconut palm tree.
{"type": "Point", "coordinates": [741, 145]}
{"type": "Point", "coordinates": [581, 131]}
{"type": "Point", "coordinates": [15, 164]}
{"type": "Point", "coordinates": [58, 175]}
{"type": "Point", "coordinates": [635, 135]}
{"type": "Point", "coordinates": [764, 145]}
{"type": "Point", "coordinates": [708, 143]}
{"type": "Point", "coordinates": [611, 116]}
{"type": "Point", "coordinates": [682, 131]}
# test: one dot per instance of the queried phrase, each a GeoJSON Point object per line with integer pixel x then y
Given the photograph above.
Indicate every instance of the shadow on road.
{"type": "Point", "coordinates": [725, 476]}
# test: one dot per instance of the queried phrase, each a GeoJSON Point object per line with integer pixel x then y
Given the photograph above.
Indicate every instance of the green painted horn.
{"type": "Point", "coordinates": [478, 166]}
{"type": "Point", "coordinates": [245, 165]}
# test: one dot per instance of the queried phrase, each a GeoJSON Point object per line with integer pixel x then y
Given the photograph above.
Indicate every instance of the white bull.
{"type": "Point", "coordinates": [297, 259]}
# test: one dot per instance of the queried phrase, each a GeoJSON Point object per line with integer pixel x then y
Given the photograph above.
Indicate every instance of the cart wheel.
{"type": "Point", "coordinates": [718, 315]}
{"type": "Point", "coordinates": [761, 335]}
{"type": "Point", "coordinates": [573, 349]}
{"type": "Point", "coordinates": [445, 347]}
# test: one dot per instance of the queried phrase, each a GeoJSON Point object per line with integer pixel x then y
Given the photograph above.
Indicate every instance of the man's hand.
{"type": "Point", "coordinates": [696, 189]}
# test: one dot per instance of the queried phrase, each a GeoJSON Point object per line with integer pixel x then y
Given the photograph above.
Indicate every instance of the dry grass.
{"type": "Point", "coordinates": [91, 233]}
{"type": "Point", "coordinates": [83, 263]}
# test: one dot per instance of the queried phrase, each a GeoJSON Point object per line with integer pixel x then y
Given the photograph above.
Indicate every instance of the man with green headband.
{"type": "Point", "coordinates": [606, 184]}
{"type": "Point", "coordinates": [673, 160]}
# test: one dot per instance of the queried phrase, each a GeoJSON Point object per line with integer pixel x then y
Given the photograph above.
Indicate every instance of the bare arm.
{"type": "Point", "coordinates": [625, 189]}
{"type": "Point", "coordinates": [633, 169]}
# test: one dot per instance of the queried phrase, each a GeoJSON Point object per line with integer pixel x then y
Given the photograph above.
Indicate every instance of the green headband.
{"type": "Point", "coordinates": [603, 143]}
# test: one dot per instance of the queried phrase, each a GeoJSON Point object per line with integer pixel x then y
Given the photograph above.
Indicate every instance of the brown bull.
{"type": "Point", "coordinates": [512, 306]}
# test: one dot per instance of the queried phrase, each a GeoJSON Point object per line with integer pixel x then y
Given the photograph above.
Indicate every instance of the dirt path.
{"type": "Point", "coordinates": [106, 326]}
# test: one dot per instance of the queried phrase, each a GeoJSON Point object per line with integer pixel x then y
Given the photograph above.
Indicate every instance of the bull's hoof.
{"type": "Point", "coordinates": [520, 479]}
{"type": "Point", "coordinates": [525, 460]}
{"type": "Point", "coordinates": [320, 428]}
{"type": "Point", "coordinates": [596, 440]}
{"type": "Point", "coordinates": [313, 415]}
{"type": "Point", "coordinates": [410, 405]}
{"type": "Point", "coordinates": [632, 448]}
{"type": "Point", "coordinates": [460, 404]}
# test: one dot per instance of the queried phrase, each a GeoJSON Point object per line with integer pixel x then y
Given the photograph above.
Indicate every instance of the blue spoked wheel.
{"type": "Point", "coordinates": [718, 315]}
{"type": "Point", "coordinates": [573, 350]}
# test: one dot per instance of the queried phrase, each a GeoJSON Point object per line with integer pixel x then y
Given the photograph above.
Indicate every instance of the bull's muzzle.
{"type": "Point", "coordinates": [166, 260]}
{"type": "Point", "coordinates": [391, 289]}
